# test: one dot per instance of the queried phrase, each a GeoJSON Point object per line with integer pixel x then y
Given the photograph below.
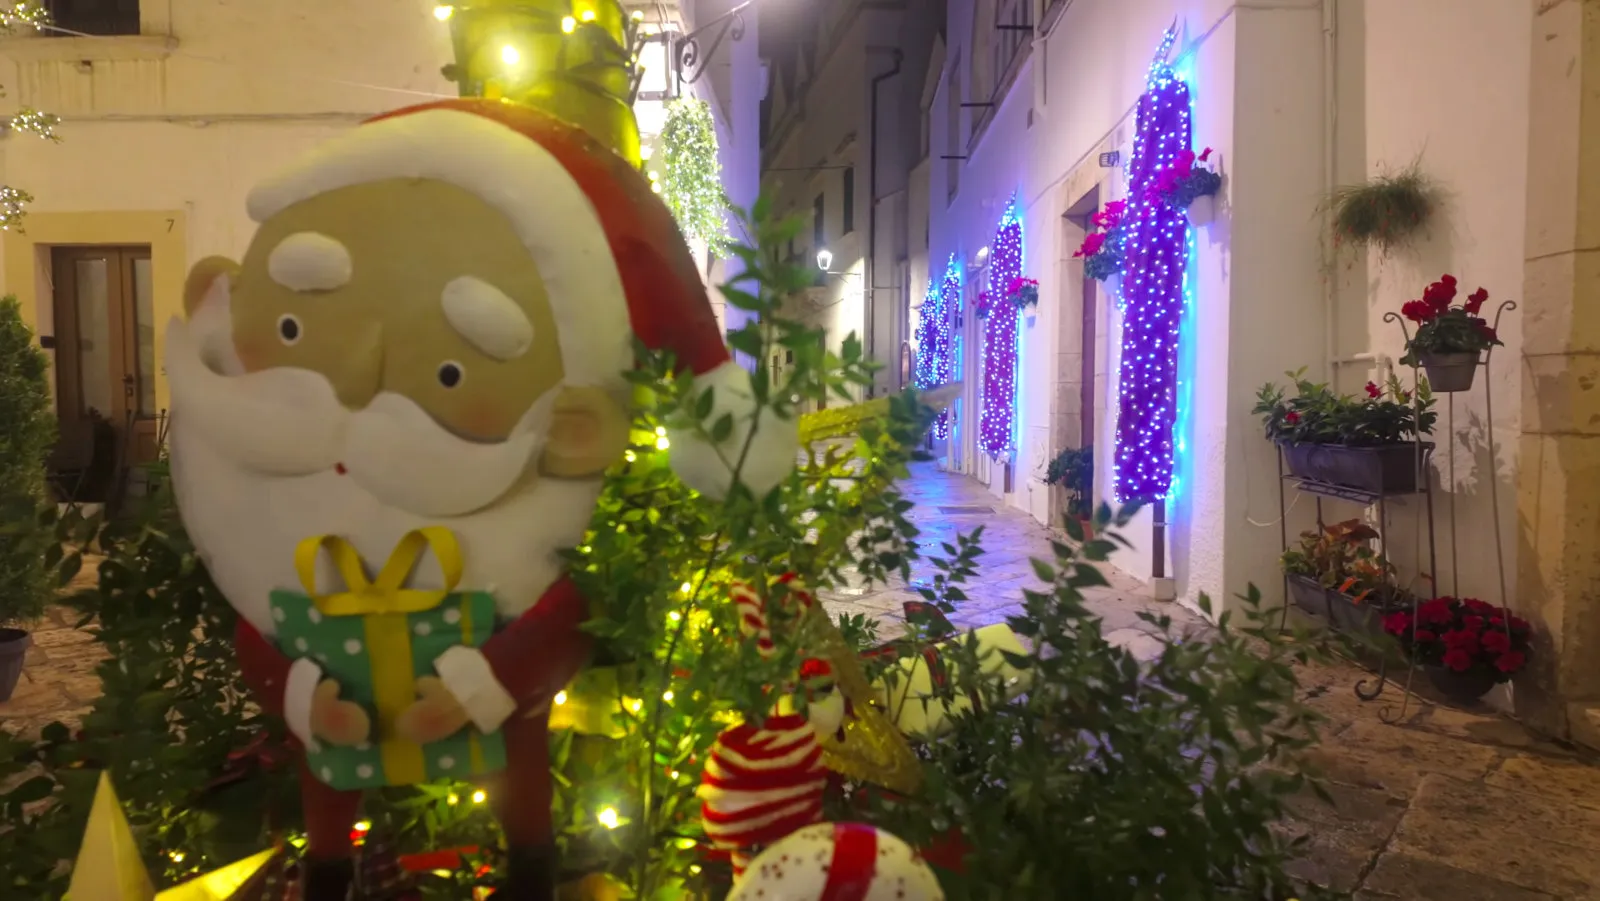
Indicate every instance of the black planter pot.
{"type": "Point", "coordinates": [1342, 612]}
{"type": "Point", "coordinates": [1466, 687]}
{"type": "Point", "coordinates": [1388, 469]}
{"type": "Point", "coordinates": [1450, 373]}
{"type": "Point", "coordinates": [13, 651]}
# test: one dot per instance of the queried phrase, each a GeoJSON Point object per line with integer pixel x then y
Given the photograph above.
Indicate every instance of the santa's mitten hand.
{"type": "Point", "coordinates": [337, 722]}
{"type": "Point", "coordinates": [435, 715]}
{"type": "Point", "coordinates": [761, 446]}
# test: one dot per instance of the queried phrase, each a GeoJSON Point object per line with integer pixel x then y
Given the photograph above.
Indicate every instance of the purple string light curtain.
{"type": "Point", "coordinates": [935, 347]}
{"type": "Point", "coordinates": [996, 426]}
{"type": "Point", "coordinates": [1152, 292]}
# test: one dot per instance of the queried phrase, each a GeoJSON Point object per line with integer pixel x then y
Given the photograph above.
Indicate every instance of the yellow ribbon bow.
{"type": "Point", "coordinates": [384, 594]}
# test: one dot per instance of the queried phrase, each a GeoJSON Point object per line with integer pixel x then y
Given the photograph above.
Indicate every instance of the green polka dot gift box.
{"type": "Point", "coordinates": [376, 638]}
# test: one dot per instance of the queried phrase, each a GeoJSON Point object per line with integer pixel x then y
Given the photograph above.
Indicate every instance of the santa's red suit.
{"type": "Point", "coordinates": [648, 288]}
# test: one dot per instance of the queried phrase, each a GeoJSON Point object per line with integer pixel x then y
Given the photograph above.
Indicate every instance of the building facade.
{"type": "Point", "coordinates": [1036, 105]}
{"type": "Point", "coordinates": [171, 111]}
{"type": "Point", "coordinates": [842, 139]}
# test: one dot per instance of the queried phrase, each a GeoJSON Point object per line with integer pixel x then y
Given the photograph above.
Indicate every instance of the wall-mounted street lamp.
{"type": "Point", "coordinates": [824, 259]}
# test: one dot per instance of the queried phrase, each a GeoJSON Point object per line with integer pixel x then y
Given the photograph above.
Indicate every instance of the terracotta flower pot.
{"type": "Point", "coordinates": [1463, 687]}
{"type": "Point", "coordinates": [13, 651]}
{"type": "Point", "coordinates": [1202, 210]}
{"type": "Point", "coordinates": [1450, 373]}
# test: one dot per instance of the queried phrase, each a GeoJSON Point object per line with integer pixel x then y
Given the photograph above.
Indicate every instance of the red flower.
{"type": "Point", "coordinates": [1422, 636]}
{"type": "Point", "coordinates": [1205, 154]}
{"type": "Point", "coordinates": [1435, 611]}
{"type": "Point", "coordinates": [1291, 417]}
{"type": "Point", "coordinates": [1510, 661]}
{"type": "Point", "coordinates": [1091, 244]}
{"type": "Point", "coordinates": [1475, 301]}
{"type": "Point", "coordinates": [1483, 608]}
{"type": "Point", "coordinates": [1458, 660]}
{"type": "Point", "coordinates": [1373, 390]}
{"type": "Point", "coordinates": [814, 668]}
{"type": "Point", "coordinates": [1184, 164]}
{"type": "Point", "coordinates": [1472, 623]}
{"type": "Point", "coordinates": [1496, 642]}
{"type": "Point", "coordinates": [1439, 294]}
{"type": "Point", "coordinates": [1397, 623]}
{"type": "Point", "coordinates": [1418, 311]}
{"type": "Point", "coordinates": [1461, 640]}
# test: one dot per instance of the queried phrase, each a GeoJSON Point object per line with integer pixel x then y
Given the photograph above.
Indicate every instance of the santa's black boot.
{"type": "Point", "coordinates": [530, 875]}
{"type": "Point", "coordinates": [327, 880]}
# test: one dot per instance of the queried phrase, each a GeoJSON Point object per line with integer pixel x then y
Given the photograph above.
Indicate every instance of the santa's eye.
{"type": "Point", "coordinates": [289, 329]}
{"type": "Point", "coordinates": [450, 374]}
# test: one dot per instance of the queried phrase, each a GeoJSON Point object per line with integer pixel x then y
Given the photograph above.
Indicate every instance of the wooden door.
{"type": "Point", "coordinates": [105, 345]}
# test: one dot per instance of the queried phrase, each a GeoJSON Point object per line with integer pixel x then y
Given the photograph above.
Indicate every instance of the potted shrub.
{"type": "Point", "coordinates": [1073, 469]}
{"type": "Point", "coordinates": [1369, 443]}
{"type": "Point", "coordinates": [1450, 340]}
{"type": "Point", "coordinates": [1102, 248]}
{"type": "Point", "coordinates": [27, 433]}
{"type": "Point", "coordinates": [1467, 646]}
{"type": "Point", "coordinates": [1191, 186]}
{"type": "Point", "coordinates": [1385, 212]}
{"type": "Point", "coordinates": [1024, 292]}
{"type": "Point", "coordinates": [1336, 574]}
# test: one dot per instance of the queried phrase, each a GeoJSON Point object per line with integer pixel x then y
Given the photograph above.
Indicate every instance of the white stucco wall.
{"type": "Point", "coordinates": [1249, 325]}
{"type": "Point", "coordinates": [1447, 83]}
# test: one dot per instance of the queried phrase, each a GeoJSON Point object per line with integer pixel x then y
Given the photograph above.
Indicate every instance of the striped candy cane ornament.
{"type": "Point", "coordinates": [761, 784]}
{"type": "Point", "coordinates": [752, 608]}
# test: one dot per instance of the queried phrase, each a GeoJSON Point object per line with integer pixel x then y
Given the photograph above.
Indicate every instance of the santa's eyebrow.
{"type": "Point", "coordinates": [486, 317]}
{"type": "Point", "coordinates": [310, 261]}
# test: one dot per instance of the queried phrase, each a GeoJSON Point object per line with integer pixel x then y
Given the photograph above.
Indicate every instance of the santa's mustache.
{"type": "Point", "coordinates": [289, 422]}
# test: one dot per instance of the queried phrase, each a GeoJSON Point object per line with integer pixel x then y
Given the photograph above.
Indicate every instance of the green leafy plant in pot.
{"type": "Point", "coordinates": [1450, 340]}
{"type": "Point", "coordinates": [1073, 469]}
{"type": "Point", "coordinates": [27, 533]}
{"type": "Point", "coordinates": [1370, 443]}
{"type": "Point", "coordinates": [1335, 572]}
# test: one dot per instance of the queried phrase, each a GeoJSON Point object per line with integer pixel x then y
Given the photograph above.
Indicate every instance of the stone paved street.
{"type": "Point", "coordinates": [1449, 805]}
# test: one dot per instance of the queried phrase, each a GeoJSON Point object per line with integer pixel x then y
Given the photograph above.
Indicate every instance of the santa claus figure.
{"type": "Point", "coordinates": [392, 413]}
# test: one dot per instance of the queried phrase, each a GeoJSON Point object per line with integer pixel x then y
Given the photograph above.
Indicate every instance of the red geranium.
{"type": "Point", "coordinates": [1446, 329]}
{"type": "Point", "coordinates": [1092, 242]}
{"type": "Point", "coordinates": [1464, 634]}
{"type": "Point", "coordinates": [1291, 417]}
{"type": "Point", "coordinates": [1373, 390]}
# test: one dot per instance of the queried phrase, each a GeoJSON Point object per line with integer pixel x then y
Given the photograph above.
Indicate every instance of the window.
{"type": "Point", "coordinates": [952, 127]}
{"type": "Point", "coordinates": [1013, 29]}
{"type": "Point", "coordinates": [819, 232]}
{"type": "Point", "coordinates": [849, 200]}
{"type": "Point", "coordinates": [97, 17]}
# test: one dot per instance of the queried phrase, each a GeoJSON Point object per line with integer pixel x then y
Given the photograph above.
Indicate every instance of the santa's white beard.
{"type": "Point", "coordinates": [254, 460]}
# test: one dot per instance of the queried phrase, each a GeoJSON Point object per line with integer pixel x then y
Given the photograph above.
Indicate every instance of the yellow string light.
{"type": "Point", "coordinates": [177, 856]}
{"type": "Point", "coordinates": [479, 796]}
{"type": "Point", "coordinates": [510, 55]}
{"type": "Point", "coordinates": [568, 24]}
{"type": "Point", "coordinates": [588, 15]}
{"type": "Point", "coordinates": [443, 13]}
{"type": "Point", "coordinates": [453, 799]}
{"type": "Point", "coordinates": [561, 697]}
{"type": "Point", "coordinates": [608, 818]}
{"type": "Point", "coordinates": [667, 696]}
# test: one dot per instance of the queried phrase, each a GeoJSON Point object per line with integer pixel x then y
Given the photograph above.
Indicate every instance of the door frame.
{"type": "Point", "coordinates": [140, 446]}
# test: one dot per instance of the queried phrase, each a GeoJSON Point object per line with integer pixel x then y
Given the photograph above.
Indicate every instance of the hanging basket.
{"type": "Point", "coordinates": [1202, 210]}
{"type": "Point", "coordinates": [1450, 373]}
{"type": "Point", "coordinates": [1464, 688]}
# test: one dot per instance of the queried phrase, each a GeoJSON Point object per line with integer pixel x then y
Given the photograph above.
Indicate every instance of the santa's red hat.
{"type": "Point", "coordinates": [612, 259]}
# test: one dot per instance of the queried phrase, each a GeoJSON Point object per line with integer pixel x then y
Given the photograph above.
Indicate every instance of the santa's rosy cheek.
{"type": "Point", "coordinates": [481, 420]}
{"type": "Point", "coordinates": [253, 355]}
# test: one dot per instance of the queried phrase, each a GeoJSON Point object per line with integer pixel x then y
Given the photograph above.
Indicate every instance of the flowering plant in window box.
{"type": "Point", "coordinates": [1024, 292]}
{"type": "Point", "coordinates": [1102, 249]}
{"type": "Point", "coordinates": [981, 308]}
{"type": "Point", "coordinates": [1370, 443]}
{"type": "Point", "coordinates": [1449, 340]}
{"type": "Point", "coordinates": [1467, 645]}
{"type": "Point", "coordinates": [1336, 573]}
{"type": "Point", "coordinates": [1188, 184]}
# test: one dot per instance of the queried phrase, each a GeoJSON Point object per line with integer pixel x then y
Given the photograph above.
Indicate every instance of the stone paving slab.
{"type": "Point", "coordinates": [1446, 805]}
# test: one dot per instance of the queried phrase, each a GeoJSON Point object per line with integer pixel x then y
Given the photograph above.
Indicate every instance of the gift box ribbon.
{"type": "Point", "coordinates": [383, 603]}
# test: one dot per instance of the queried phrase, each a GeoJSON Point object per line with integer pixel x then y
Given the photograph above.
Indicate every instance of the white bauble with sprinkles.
{"type": "Point", "coordinates": [838, 862]}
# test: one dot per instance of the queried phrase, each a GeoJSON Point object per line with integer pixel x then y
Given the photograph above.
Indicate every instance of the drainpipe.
{"type": "Point", "coordinates": [1330, 127]}
{"type": "Point", "coordinates": [870, 276]}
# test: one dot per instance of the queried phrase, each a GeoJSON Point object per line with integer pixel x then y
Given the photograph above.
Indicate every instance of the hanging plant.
{"type": "Point", "coordinates": [691, 182]}
{"type": "Point", "coordinates": [1102, 250]}
{"type": "Point", "coordinates": [1384, 213]}
{"type": "Point", "coordinates": [1024, 292]}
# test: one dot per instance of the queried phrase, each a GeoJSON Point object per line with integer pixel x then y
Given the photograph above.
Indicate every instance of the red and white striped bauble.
{"type": "Point", "coordinates": [838, 862]}
{"type": "Point", "coordinates": [761, 784]}
{"type": "Point", "coordinates": [752, 609]}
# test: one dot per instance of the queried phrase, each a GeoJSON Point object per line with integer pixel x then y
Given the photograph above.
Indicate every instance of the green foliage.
{"type": "Point", "coordinates": [1112, 779]}
{"type": "Point", "coordinates": [1074, 468]}
{"type": "Point", "coordinates": [1317, 415]}
{"type": "Point", "coordinates": [1341, 557]}
{"type": "Point", "coordinates": [27, 433]}
{"type": "Point", "coordinates": [691, 183]}
{"type": "Point", "coordinates": [1384, 212]}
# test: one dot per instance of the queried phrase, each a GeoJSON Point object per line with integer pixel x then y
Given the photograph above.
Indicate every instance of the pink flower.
{"type": "Point", "coordinates": [1291, 417]}
{"type": "Point", "coordinates": [1205, 154]}
{"type": "Point", "coordinates": [1510, 661]}
{"type": "Point", "coordinates": [1458, 660]}
{"type": "Point", "coordinates": [1475, 301]}
{"type": "Point", "coordinates": [1373, 390]}
{"type": "Point", "coordinates": [1496, 642]}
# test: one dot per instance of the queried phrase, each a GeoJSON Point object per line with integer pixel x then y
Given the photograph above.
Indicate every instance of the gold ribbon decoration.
{"type": "Point", "coordinates": [837, 422]}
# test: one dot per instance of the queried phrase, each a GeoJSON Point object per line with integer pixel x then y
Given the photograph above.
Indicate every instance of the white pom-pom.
{"type": "Point", "coordinates": [763, 460]}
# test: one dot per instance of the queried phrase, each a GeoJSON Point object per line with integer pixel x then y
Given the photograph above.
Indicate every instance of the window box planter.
{"type": "Point", "coordinates": [1384, 470]}
{"type": "Point", "coordinates": [1342, 612]}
